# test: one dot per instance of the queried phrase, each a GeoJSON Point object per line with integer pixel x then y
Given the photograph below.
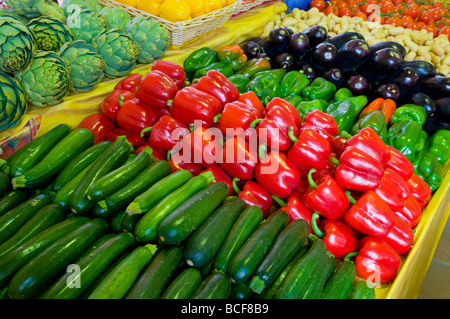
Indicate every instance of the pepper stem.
{"type": "Point", "coordinates": [145, 130]}
{"type": "Point", "coordinates": [169, 155]}
{"type": "Point", "coordinates": [169, 103]}
{"type": "Point", "coordinates": [335, 161]}
{"type": "Point", "coordinates": [310, 178]}
{"type": "Point", "coordinates": [217, 118]}
{"type": "Point", "coordinates": [191, 127]}
{"type": "Point", "coordinates": [315, 216]}
{"type": "Point", "coordinates": [346, 135]}
{"type": "Point", "coordinates": [262, 151]}
{"type": "Point", "coordinates": [235, 187]}
{"type": "Point", "coordinates": [350, 255]}
{"type": "Point", "coordinates": [255, 122]}
{"type": "Point", "coordinates": [278, 200]}
{"type": "Point", "coordinates": [291, 135]}
{"type": "Point", "coordinates": [350, 197]}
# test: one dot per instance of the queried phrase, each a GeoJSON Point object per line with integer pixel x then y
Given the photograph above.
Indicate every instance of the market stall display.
{"type": "Point", "coordinates": [154, 175]}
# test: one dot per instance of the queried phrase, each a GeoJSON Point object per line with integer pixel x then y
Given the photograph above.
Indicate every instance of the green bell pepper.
{"type": "Point", "coordinates": [427, 166]}
{"type": "Point", "coordinates": [359, 102]}
{"type": "Point", "coordinates": [409, 112]}
{"type": "Point", "coordinates": [240, 81]}
{"type": "Point", "coordinates": [293, 83]}
{"type": "Point", "coordinates": [342, 94]}
{"type": "Point", "coordinates": [344, 113]}
{"type": "Point", "coordinates": [319, 89]}
{"type": "Point", "coordinates": [307, 106]}
{"type": "Point", "coordinates": [266, 84]}
{"type": "Point", "coordinates": [233, 55]}
{"type": "Point", "coordinates": [199, 59]}
{"type": "Point", "coordinates": [375, 120]}
{"type": "Point", "coordinates": [439, 144]}
{"type": "Point", "coordinates": [407, 137]}
{"type": "Point", "coordinates": [222, 67]}
{"type": "Point", "coordinates": [295, 100]}
{"type": "Point", "coordinates": [253, 66]}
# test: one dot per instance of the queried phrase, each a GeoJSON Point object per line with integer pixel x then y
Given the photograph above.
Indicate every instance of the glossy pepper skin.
{"type": "Point", "coordinates": [427, 166]}
{"type": "Point", "coordinates": [112, 103]}
{"type": "Point", "coordinates": [191, 104]}
{"type": "Point", "coordinates": [419, 190]}
{"type": "Point", "coordinates": [358, 171]}
{"type": "Point", "coordinates": [370, 215]}
{"type": "Point", "coordinates": [135, 139]}
{"type": "Point", "coordinates": [386, 106]}
{"type": "Point", "coordinates": [439, 144]}
{"type": "Point", "coordinates": [374, 120]}
{"type": "Point", "coordinates": [344, 114]}
{"type": "Point", "coordinates": [296, 208]}
{"type": "Point", "coordinates": [178, 164]}
{"type": "Point", "coordinates": [400, 236]}
{"type": "Point", "coordinates": [240, 81]}
{"type": "Point", "coordinates": [277, 174]}
{"type": "Point", "coordinates": [239, 159]}
{"type": "Point", "coordinates": [135, 116]}
{"type": "Point", "coordinates": [216, 84]}
{"type": "Point", "coordinates": [375, 255]}
{"type": "Point", "coordinates": [251, 99]}
{"type": "Point", "coordinates": [266, 84]}
{"type": "Point", "coordinates": [130, 83]}
{"type": "Point", "coordinates": [411, 211]}
{"type": "Point", "coordinates": [253, 66]}
{"type": "Point", "coordinates": [368, 141]}
{"type": "Point", "coordinates": [305, 107]}
{"type": "Point", "coordinates": [293, 83]}
{"type": "Point", "coordinates": [326, 197]}
{"type": "Point", "coordinates": [321, 123]}
{"type": "Point", "coordinates": [236, 115]}
{"type": "Point", "coordinates": [399, 163]}
{"type": "Point", "coordinates": [409, 112]}
{"type": "Point", "coordinates": [407, 137]}
{"type": "Point", "coordinates": [393, 189]}
{"type": "Point", "coordinates": [342, 94]}
{"type": "Point", "coordinates": [254, 195]}
{"type": "Point", "coordinates": [232, 55]}
{"type": "Point", "coordinates": [156, 89]}
{"type": "Point", "coordinates": [167, 132]}
{"type": "Point", "coordinates": [337, 236]}
{"type": "Point", "coordinates": [319, 89]}
{"type": "Point", "coordinates": [221, 176]}
{"type": "Point", "coordinates": [199, 59]}
{"type": "Point", "coordinates": [155, 152]}
{"type": "Point", "coordinates": [221, 67]}
{"type": "Point", "coordinates": [173, 70]}
{"type": "Point", "coordinates": [99, 124]}
{"type": "Point", "coordinates": [295, 100]}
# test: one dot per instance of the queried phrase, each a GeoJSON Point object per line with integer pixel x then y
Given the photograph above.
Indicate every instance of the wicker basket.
{"type": "Point", "coordinates": [250, 4]}
{"type": "Point", "coordinates": [189, 30]}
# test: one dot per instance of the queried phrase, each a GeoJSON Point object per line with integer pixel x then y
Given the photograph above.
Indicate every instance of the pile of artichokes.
{"type": "Point", "coordinates": [47, 51]}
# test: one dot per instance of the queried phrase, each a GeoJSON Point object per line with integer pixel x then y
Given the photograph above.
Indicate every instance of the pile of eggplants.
{"type": "Point", "coordinates": [348, 61]}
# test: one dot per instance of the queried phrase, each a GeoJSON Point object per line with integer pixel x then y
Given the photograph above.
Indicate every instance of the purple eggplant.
{"type": "Point", "coordinates": [285, 61]}
{"type": "Point", "coordinates": [406, 80]}
{"type": "Point", "coordinates": [421, 99]}
{"type": "Point", "coordinates": [388, 91]}
{"type": "Point", "coordinates": [424, 69]}
{"type": "Point", "coordinates": [335, 76]}
{"type": "Point", "coordinates": [388, 44]}
{"type": "Point", "coordinates": [323, 56]}
{"type": "Point", "coordinates": [352, 55]}
{"type": "Point", "coordinates": [340, 39]}
{"type": "Point", "coordinates": [358, 84]}
{"type": "Point", "coordinates": [308, 70]}
{"type": "Point", "coordinates": [316, 34]}
{"type": "Point", "coordinates": [299, 44]}
{"type": "Point", "coordinates": [432, 124]}
{"type": "Point", "coordinates": [381, 65]}
{"type": "Point", "coordinates": [277, 42]}
{"type": "Point", "coordinates": [251, 49]}
{"type": "Point", "coordinates": [443, 106]}
{"type": "Point", "coordinates": [437, 87]}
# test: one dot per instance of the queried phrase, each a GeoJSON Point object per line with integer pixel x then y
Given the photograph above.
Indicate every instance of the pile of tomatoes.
{"type": "Point", "coordinates": [433, 16]}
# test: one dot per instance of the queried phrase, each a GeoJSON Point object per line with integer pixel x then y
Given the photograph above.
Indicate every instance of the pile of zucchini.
{"type": "Point", "coordinates": [96, 221]}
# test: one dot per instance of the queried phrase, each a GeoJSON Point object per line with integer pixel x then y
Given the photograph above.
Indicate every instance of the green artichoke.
{"type": "Point", "coordinates": [117, 17]}
{"type": "Point", "coordinates": [5, 12]}
{"type": "Point", "coordinates": [36, 8]}
{"type": "Point", "coordinates": [13, 104]}
{"type": "Point", "coordinates": [17, 45]}
{"type": "Point", "coordinates": [118, 50]}
{"type": "Point", "coordinates": [45, 80]}
{"type": "Point", "coordinates": [70, 5]}
{"type": "Point", "coordinates": [86, 24]}
{"type": "Point", "coordinates": [151, 38]}
{"type": "Point", "coordinates": [50, 33]}
{"type": "Point", "coordinates": [85, 65]}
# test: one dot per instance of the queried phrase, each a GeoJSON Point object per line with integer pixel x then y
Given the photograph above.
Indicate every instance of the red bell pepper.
{"type": "Point", "coordinates": [254, 195]}
{"type": "Point", "coordinates": [358, 171]}
{"type": "Point", "coordinates": [252, 99]}
{"type": "Point", "coordinates": [156, 89]}
{"type": "Point", "coordinates": [98, 124]}
{"type": "Point", "coordinates": [135, 140]}
{"type": "Point", "coordinates": [327, 198]}
{"type": "Point", "coordinates": [338, 145]}
{"type": "Point", "coordinates": [419, 190]}
{"type": "Point", "coordinates": [238, 158]}
{"type": "Point", "coordinates": [155, 152]}
{"type": "Point", "coordinates": [377, 260]}
{"type": "Point", "coordinates": [134, 116]}
{"type": "Point", "coordinates": [310, 150]}
{"type": "Point", "coordinates": [167, 132]}
{"type": "Point", "coordinates": [130, 83]}
{"type": "Point", "coordinates": [400, 163]}
{"type": "Point", "coordinates": [216, 84]}
{"type": "Point", "coordinates": [191, 104]}
{"type": "Point", "coordinates": [173, 70]}
{"type": "Point", "coordinates": [238, 115]}
{"type": "Point", "coordinates": [321, 123]}
{"type": "Point", "coordinates": [393, 189]}
{"type": "Point", "coordinates": [368, 141]}
{"type": "Point", "coordinates": [277, 102]}
{"type": "Point", "coordinates": [296, 209]}
{"type": "Point", "coordinates": [178, 164]}
{"type": "Point", "coordinates": [277, 174]}
{"type": "Point", "coordinates": [400, 236]}
{"type": "Point", "coordinates": [111, 105]}
{"type": "Point", "coordinates": [221, 176]}
{"type": "Point", "coordinates": [411, 212]}
{"type": "Point", "coordinates": [370, 215]}
{"type": "Point", "coordinates": [161, 112]}
{"type": "Point", "coordinates": [337, 236]}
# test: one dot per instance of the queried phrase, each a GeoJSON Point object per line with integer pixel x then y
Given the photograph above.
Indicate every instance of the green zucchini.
{"type": "Point", "coordinates": [11, 200]}
{"type": "Point", "coordinates": [99, 212]}
{"type": "Point", "coordinates": [241, 291]}
{"type": "Point", "coordinates": [14, 260]}
{"type": "Point", "coordinates": [15, 218]}
{"type": "Point", "coordinates": [205, 242]}
{"type": "Point", "coordinates": [91, 266]}
{"type": "Point", "coordinates": [32, 153]}
{"type": "Point", "coordinates": [111, 159]}
{"type": "Point", "coordinates": [216, 286]}
{"type": "Point", "coordinates": [184, 285]}
{"type": "Point", "coordinates": [130, 222]}
{"type": "Point", "coordinates": [146, 229]}
{"type": "Point", "coordinates": [116, 284]}
{"type": "Point", "coordinates": [158, 274]}
{"type": "Point", "coordinates": [97, 243]}
{"type": "Point", "coordinates": [79, 163]}
{"type": "Point", "coordinates": [186, 218]}
{"type": "Point", "coordinates": [117, 221]}
{"type": "Point", "coordinates": [286, 246]}
{"type": "Point", "coordinates": [115, 180]}
{"type": "Point", "coordinates": [361, 290]}
{"type": "Point", "coordinates": [245, 225]}
{"type": "Point", "coordinates": [148, 177]}
{"type": "Point", "coordinates": [59, 156]}
{"type": "Point", "coordinates": [319, 278]}
{"type": "Point", "coordinates": [341, 282]}
{"type": "Point", "coordinates": [148, 199]}
{"type": "Point", "coordinates": [44, 218]}
{"type": "Point", "coordinates": [257, 246]}
{"type": "Point", "coordinates": [5, 182]}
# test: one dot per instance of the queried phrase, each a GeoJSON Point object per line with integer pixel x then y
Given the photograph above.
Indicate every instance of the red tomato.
{"type": "Point", "coordinates": [331, 9]}
{"type": "Point", "coordinates": [405, 20]}
{"type": "Point", "coordinates": [342, 5]}
{"type": "Point", "coordinates": [396, 22]}
{"type": "Point", "coordinates": [413, 11]}
{"type": "Point", "coordinates": [436, 13]}
{"type": "Point", "coordinates": [361, 15]}
{"type": "Point", "coordinates": [446, 31]}
{"type": "Point", "coordinates": [430, 28]}
{"type": "Point", "coordinates": [387, 8]}
{"type": "Point", "coordinates": [413, 26]}
{"type": "Point", "coordinates": [426, 17]}
{"type": "Point", "coordinates": [345, 12]}
{"type": "Point", "coordinates": [319, 4]}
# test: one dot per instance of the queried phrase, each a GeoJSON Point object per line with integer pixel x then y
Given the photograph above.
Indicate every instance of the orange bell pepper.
{"type": "Point", "coordinates": [386, 106]}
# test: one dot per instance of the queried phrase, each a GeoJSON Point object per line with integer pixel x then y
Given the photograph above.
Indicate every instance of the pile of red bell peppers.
{"type": "Point", "coordinates": [359, 194]}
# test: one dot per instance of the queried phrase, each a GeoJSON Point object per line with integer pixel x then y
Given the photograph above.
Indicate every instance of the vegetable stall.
{"type": "Point", "coordinates": [259, 150]}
